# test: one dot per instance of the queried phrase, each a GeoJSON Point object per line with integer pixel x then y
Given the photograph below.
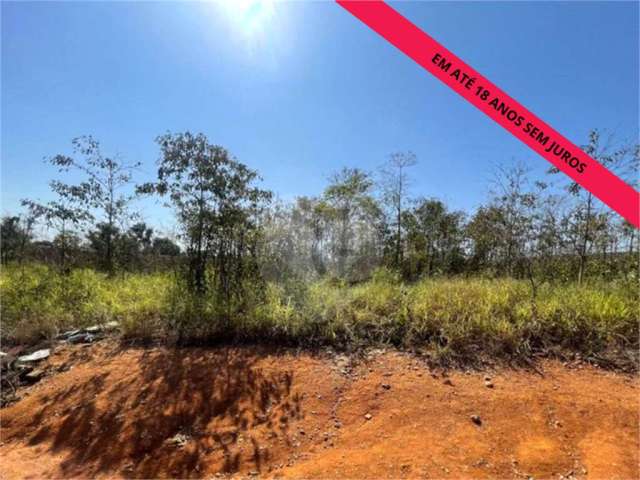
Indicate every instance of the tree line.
{"type": "Point", "coordinates": [232, 231]}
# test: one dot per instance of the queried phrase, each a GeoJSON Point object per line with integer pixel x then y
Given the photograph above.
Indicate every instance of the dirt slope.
{"type": "Point", "coordinates": [149, 413]}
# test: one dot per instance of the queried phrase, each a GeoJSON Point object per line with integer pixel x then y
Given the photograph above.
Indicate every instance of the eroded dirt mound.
{"type": "Point", "coordinates": [149, 413]}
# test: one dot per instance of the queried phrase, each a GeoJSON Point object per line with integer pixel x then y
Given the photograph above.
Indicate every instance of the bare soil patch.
{"type": "Point", "coordinates": [117, 412]}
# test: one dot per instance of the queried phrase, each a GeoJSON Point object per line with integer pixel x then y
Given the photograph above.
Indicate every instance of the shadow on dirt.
{"type": "Point", "coordinates": [176, 408]}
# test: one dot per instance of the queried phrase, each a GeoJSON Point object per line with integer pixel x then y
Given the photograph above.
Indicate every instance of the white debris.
{"type": "Point", "coordinates": [35, 356]}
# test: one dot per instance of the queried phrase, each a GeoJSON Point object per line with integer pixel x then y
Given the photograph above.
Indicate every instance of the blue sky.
{"type": "Point", "coordinates": [296, 90]}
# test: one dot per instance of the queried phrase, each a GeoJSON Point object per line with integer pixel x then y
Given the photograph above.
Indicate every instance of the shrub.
{"type": "Point", "coordinates": [456, 320]}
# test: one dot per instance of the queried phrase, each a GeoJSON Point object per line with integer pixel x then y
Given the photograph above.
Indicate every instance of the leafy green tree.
{"type": "Point", "coordinates": [434, 238]}
{"type": "Point", "coordinates": [217, 206]}
{"type": "Point", "coordinates": [64, 218]}
{"type": "Point", "coordinates": [348, 202]}
{"type": "Point", "coordinates": [484, 231]}
{"type": "Point", "coordinates": [103, 242]}
{"type": "Point", "coordinates": [395, 184]}
{"type": "Point", "coordinates": [100, 194]}
{"type": "Point", "coordinates": [164, 246]}
{"type": "Point", "coordinates": [586, 220]}
{"type": "Point", "coordinates": [16, 234]}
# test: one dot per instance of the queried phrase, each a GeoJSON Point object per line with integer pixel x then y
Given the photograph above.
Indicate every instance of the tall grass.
{"type": "Point", "coordinates": [454, 320]}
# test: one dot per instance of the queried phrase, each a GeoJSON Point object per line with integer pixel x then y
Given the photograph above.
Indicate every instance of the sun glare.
{"type": "Point", "coordinates": [249, 16]}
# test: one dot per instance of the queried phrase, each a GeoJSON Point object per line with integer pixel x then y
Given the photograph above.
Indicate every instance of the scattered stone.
{"type": "Point", "coordinates": [35, 356]}
{"type": "Point", "coordinates": [34, 375]}
{"type": "Point", "coordinates": [67, 334]}
{"type": "Point", "coordinates": [81, 338]}
{"type": "Point", "coordinates": [488, 384]}
{"type": "Point", "coordinates": [368, 416]}
{"type": "Point", "coordinates": [476, 419]}
{"type": "Point", "coordinates": [447, 381]}
{"type": "Point", "coordinates": [386, 386]}
{"type": "Point", "coordinates": [179, 440]}
{"type": "Point", "coordinates": [22, 370]}
{"type": "Point", "coordinates": [253, 473]}
{"type": "Point", "coordinates": [487, 378]}
{"type": "Point", "coordinates": [337, 424]}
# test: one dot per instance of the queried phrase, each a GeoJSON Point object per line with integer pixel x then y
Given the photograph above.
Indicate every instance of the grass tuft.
{"type": "Point", "coordinates": [455, 320]}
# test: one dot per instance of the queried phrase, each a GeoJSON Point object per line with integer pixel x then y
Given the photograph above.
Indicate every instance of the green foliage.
{"type": "Point", "coordinates": [38, 301]}
{"type": "Point", "coordinates": [15, 235]}
{"type": "Point", "coordinates": [456, 320]}
{"type": "Point", "coordinates": [217, 206]}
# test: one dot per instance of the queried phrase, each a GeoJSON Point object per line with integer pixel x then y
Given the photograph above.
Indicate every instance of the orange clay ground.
{"type": "Point", "coordinates": [247, 412]}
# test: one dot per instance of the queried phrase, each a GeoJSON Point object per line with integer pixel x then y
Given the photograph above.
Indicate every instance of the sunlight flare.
{"type": "Point", "coordinates": [249, 16]}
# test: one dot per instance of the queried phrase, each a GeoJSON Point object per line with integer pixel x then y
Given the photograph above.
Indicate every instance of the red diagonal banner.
{"type": "Point", "coordinates": [495, 103]}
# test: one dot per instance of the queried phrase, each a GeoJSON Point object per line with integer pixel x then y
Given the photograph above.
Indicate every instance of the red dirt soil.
{"type": "Point", "coordinates": [159, 412]}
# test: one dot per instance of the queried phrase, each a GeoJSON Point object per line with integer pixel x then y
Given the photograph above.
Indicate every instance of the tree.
{"type": "Point", "coordinates": [483, 231]}
{"type": "Point", "coordinates": [100, 192]}
{"type": "Point", "coordinates": [134, 244]}
{"type": "Point", "coordinates": [142, 236]}
{"type": "Point", "coordinates": [16, 233]}
{"type": "Point", "coordinates": [348, 201]}
{"type": "Point", "coordinates": [516, 203]}
{"type": "Point", "coordinates": [434, 238]}
{"type": "Point", "coordinates": [586, 216]}
{"type": "Point", "coordinates": [64, 218]}
{"type": "Point", "coordinates": [217, 206]}
{"type": "Point", "coordinates": [103, 241]}
{"type": "Point", "coordinates": [165, 246]}
{"type": "Point", "coordinates": [395, 191]}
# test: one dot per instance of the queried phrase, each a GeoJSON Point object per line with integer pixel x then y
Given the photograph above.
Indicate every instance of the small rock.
{"type": "Point", "coordinates": [487, 378]}
{"type": "Point", "coordinates": [368, 416]}
{"type": "Point", "coordinates": [448, 382]}
{"type": "Point", "coordinates": [35, 356]}
{"type": "Point", "coordinates": [67, 334]}
{"type": "Point", "coordinates": [476, 419]}
{"type": "Point", "coordinates": [34, 375]}
{"type": "Point", "coordinates": [488, 384]}
{"type": "Point", "coordinates": [81, 338]}
{"type": "Point", "coordinates": [386, 386]}
{"type": "Point", "coordinates": [179, 440]}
